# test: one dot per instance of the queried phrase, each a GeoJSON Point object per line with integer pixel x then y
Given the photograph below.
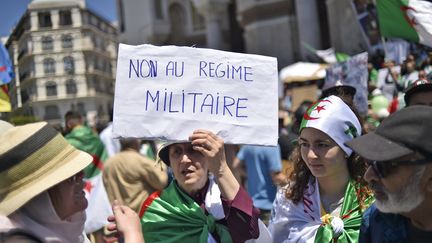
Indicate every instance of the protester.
{"type": "Point", "coordinates": [326, 196]}
{"type": "Point", "coordinates": [204, 203]}
{"type": "Point", "coordinates": [264, 173]}
{"type": "Point", "coordinates": [419, 93]}
{"type": "Point", "coordinates": [83, 138]}
{"type": "Point", "coordinates": [130, 177]}
{"type": "Point", "coordinates": [41, 184]}
{"type": "Point", "coordinates": [400, 174]}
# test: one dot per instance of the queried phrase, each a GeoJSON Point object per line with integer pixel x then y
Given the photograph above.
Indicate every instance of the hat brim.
{"type": "Point", "coordinates": [73, 163]}
{"type": "Point", "coordinates": [415, 89]}
{"type": "Point", "coordinates": [375, 147]}
{"type": "Point", "coordinates": [163, 153]}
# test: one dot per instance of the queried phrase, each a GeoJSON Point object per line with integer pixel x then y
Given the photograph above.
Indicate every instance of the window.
{"type": "Point", "coordinates": [47, 43]}
{"type": "Point", "coordinates": [178, 20]}
{"type": "Point", "coordinates": [67, 41]}
{"type": "Point", "coordinates": [49, 66]}
{"type": "Point", "coordinates": [81, 108]}
{"type": "Point", "coordinates": [51, 112]}
{"type": "Point", "coordinates": [158, 9]}
{"type": "Point", "coordinates": [44, 19]}
{"type": "Point", "coordinates": [69, 65]}
{"type": "Point", "coordinates": [71, 87]}
{"type": "Point", "coordinates": [65, 18]}
{"type": "Point", "coordinates": [51, 88]}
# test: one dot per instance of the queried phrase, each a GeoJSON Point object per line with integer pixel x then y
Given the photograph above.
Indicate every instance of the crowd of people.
{"type": "Point", "coordinates": [330, 179]}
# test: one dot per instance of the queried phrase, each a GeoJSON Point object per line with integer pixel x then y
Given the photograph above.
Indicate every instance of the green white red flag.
{"type": "Point", "coordinates": [407, 19]}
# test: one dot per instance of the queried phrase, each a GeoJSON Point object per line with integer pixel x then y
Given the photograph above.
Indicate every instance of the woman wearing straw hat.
{"type": "Point", "coordinates": [326, 197]}
{"type": "Point", "coordinates": [204, 203]}
{"type": "Point", "coordinates": [41, 184]}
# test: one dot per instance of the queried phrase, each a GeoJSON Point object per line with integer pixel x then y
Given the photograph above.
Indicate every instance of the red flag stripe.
{"type": "Point", "coordinates": [148, 202]}
{"type": "Point", "coordinates": [97, 162]}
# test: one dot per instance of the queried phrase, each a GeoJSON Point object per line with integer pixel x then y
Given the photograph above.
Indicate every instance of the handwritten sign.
{"type": "Point", "coordinates": [168, 92]}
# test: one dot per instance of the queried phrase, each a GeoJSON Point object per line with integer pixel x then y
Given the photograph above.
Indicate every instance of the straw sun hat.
{"type": "Point", "coordinates": [33, 158]}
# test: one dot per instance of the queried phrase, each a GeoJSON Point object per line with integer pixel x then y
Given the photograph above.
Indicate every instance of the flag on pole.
{"type": "Point", "coordinates": [5, 105]}
{"type": "Point", "coordinates": [6, 68]}
{"type": "Point", "coordinates": [328, 55]}
{"type": "Point", "coordinates": [406, 19]}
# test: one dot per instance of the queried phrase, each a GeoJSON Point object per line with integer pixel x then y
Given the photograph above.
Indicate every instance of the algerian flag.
{"type": "Point", "coordinates": [328, 55]}
{"type": "Point", "coordinates": [407, 19]}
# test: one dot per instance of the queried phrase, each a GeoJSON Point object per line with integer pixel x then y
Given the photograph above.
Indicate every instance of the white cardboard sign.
{"type": "Point", "coordinates": [168, 92]}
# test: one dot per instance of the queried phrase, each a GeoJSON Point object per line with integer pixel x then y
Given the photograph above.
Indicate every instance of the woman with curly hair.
{"type": "Point", "coordinates": [326, 196]}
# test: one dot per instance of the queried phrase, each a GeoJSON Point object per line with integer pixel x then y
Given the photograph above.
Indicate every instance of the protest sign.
{"type": "Point", "coordinates": [168, 92]}
{"type": "Point", "coordinates": [352, 72]}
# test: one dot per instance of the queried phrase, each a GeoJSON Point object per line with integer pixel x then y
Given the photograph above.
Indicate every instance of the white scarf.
{"type": "Point", "coordinates": [213, 203]}
{"type": "Point", "coordinates": [333, 117]}
{"type": "Point", "coordinates": [296, 222]}
{"type": "Point", "coordinates": [39, 217]}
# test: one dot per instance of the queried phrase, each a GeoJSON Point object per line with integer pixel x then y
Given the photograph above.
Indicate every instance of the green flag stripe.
{"type": "Point", "coordinates": [309, 111]}
{"type": "Point", "coordinates": [393, 20]}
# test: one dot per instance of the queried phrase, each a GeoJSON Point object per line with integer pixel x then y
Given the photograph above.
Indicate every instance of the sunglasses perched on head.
{"type": "Point", "coordinates": [385, 168]}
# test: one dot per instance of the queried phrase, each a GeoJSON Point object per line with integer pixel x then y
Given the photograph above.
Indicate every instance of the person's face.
{"type": "Point", "coordinates": [401, 189]}
{"type": "Point", "coordinates": [189, 167]}
{"type": "Point", "coordinates": [321, 154]}
{"type": "Point", "coordinates": [68, 196]}
{"type": "Point", "coordinates": [421, 98]}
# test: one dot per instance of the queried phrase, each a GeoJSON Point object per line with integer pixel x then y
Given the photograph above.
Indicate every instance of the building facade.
{"type": "Point", "coordinates": [278, 28]}
{"type": "Point", "coordinates": [65, 59]}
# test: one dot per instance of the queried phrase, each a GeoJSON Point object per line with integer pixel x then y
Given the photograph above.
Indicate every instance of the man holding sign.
{"type": "Point", "coordinates": [199, 99]}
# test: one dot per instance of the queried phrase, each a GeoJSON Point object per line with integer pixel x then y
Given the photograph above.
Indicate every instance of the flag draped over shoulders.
{"type": "Point", "coordinates": [173, 216]}
{"type": "Point", "coordinates": [305, 221]}
{"type": "Point", "coordinates": [407, 19]}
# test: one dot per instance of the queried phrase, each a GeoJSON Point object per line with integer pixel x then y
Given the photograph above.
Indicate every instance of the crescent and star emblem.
{"type": "Point", "coordinates": [318, 108]}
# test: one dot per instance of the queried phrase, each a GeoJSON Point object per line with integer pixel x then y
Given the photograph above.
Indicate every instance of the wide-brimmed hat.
{"type": "Point", "coordinates": [33, 158]}
{"type": "Point", "coordinates": [4, 126]}
{"type": "Point", "coordinates": [418, 86]}
{"type": "Point", "coordinates": [402, 133]}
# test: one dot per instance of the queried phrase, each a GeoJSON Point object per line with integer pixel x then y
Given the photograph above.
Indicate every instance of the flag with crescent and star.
{"type": "Point", "coordinates": [335, 118]}
{"type": "Point", "coordinates": [407, 19]}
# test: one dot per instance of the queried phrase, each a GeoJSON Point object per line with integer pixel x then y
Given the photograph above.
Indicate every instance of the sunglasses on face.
{"type": "Point", "coordinates": [385, 168]}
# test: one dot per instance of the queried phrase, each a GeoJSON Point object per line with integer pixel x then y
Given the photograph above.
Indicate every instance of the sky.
{"type": "Point", "coordinates": [12, 10]}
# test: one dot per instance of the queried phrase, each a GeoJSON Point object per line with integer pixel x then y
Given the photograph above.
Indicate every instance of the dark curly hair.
{"type": "Point", "coordinates": [301, 175]}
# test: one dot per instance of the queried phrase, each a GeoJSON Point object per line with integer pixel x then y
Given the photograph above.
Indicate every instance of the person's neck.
{"type": "Point", "coordinates": [421, 217]}
{"type": "Point", "coordinates": [333, 187]}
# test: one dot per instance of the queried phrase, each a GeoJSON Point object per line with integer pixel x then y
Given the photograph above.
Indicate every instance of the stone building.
{"type": "Point", "coordinates": [278, 28]}
{"type": "Point", "coordinates": [64, 57]}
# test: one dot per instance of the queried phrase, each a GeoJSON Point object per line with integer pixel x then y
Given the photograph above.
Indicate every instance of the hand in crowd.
{"type": "Point", "coordinates": [126, 222]}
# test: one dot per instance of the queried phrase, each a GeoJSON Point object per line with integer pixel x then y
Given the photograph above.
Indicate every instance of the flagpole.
{"type": "Point", "coordinates": [384, 47]}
